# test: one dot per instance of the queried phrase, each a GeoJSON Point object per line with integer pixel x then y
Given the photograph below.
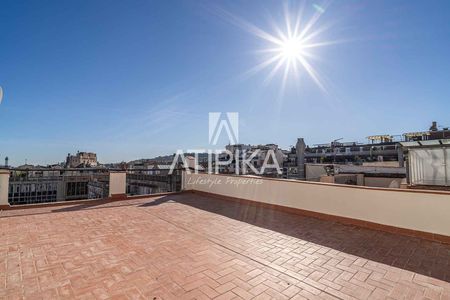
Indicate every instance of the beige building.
{"type": "Point", "coordinates": [81, 159]}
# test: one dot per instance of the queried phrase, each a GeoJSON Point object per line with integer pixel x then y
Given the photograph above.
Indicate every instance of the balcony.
{"type": "Point", "coordinates": [44, 185]}
{"type": "Point", "coordinates": [272, 239]}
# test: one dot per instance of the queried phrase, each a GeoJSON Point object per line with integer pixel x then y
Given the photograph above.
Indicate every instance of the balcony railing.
{"type": "Point", "coordinates": [38, 186]}
{"type": "Point", "coordinates": [32, 186]}
{"type": "Point", "coordinates": [140, 183]}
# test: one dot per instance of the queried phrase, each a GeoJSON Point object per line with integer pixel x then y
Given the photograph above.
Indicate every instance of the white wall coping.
{"type": "Point", "coordinates": [418, 210]}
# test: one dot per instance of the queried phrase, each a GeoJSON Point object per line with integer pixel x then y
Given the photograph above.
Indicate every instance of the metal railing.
{"type": "Point", "coordinates": [31, 186]}
{"type": "Point", "coordinates": [141, 183]}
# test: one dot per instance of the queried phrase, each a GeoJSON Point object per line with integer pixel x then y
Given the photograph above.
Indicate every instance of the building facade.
{"type": "Point", "coordinates": [30, 185]}
{"type": "Point", "coordinates": [81, 159]}
{"type": "Point", "coordinates": [379, 148]}
{"type": "Point", "coordinates": [252, 159]}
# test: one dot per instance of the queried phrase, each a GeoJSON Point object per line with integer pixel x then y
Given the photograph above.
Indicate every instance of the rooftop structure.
{"type": "Point", "coordinates": [372, 175]}
{"type": "Point", "coordinates": [383, 147]}
{"type": "Point", "coordinates": [434, 133]}
{"type": "Point", "coordinates": [428, 163]}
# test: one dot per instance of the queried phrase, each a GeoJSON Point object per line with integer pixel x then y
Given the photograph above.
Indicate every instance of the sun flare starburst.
{"type": "Point", "coordinates": [290, 48]}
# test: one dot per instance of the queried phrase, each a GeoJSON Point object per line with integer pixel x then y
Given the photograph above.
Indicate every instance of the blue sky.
{"type": "Point", "coordinates": [133, 79]}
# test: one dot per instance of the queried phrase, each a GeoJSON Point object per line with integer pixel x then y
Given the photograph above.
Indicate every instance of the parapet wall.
{"type": "Point", "coordinates": [421, 213]}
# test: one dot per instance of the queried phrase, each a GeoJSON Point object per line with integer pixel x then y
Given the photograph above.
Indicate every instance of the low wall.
{"type": "Point", "coordinates": [422, 211]}
{"type": "Point", "coordinates": [117, 183]}
{"type": "Point", "coordinates": [383, 182]}
{"type": "Point", "coordinates": [313, 172]}
{"type": "Point", "coordinates": [4, 186]}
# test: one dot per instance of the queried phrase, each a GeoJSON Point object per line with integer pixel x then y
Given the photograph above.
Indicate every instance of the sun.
{"type": "Point", "coordinates": [292, 49]}
{"type": "Point", "coordinates": [291, 46]}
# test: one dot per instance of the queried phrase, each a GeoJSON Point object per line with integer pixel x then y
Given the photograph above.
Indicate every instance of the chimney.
{"type": "Point", "coordinates": [300, 147]}
{"type": "Point", "coordinates": [6, 161]}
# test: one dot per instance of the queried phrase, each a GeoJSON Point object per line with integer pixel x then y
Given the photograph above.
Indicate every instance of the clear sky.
{"type": "Point", "coordinates": [134, 79]}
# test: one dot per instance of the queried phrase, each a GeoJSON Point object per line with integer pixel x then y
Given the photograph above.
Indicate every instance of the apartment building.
{"type": "Point", "coordinates": [379, 148]}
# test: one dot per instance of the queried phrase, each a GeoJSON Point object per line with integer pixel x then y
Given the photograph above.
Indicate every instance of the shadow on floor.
{"type": "Point", "coordinates": [108, 204]}
{"type": "Point", "coordinates": [409, 253]}
{"type": "Point", "coordinates": [82, 206]}
{"type": "Point", "coordinates": [158, 201]}
{"type": "Point", "coordinates": [72, 207]}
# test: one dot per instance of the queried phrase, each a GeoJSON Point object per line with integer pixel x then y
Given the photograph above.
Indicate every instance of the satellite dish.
{"type": "Point", "coordinates": [1, 94]}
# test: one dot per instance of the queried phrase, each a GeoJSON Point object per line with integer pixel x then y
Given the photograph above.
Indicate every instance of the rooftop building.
{"type": "Point", "coordinates": [81, 159]}
{"type": "Point", "coordinates": [428, 163]}
{"type": "Point", "coordinates": [379, 148]}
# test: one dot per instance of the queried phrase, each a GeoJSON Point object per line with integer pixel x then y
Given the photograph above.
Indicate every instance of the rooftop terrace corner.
{"type": "Point", "coordinates": [411, 212]}
{"type": "Point", "coordinates": [191, 246]}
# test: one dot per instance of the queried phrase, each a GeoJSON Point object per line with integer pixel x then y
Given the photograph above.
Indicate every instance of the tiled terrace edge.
{"type": "Point", "coordinates": [413, 213]}
{"type": "Point", "coordinates": [87, 202]}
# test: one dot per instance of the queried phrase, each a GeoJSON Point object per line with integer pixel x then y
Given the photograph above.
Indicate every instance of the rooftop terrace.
{"type": "Point", "coordinates": [189, 246]}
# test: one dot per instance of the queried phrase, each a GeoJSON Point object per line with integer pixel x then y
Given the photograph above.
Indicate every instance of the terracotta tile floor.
{"type": "Point", "coordinates": [188, 246]}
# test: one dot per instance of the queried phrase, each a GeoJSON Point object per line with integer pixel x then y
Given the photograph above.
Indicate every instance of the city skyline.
{"type": "Point", "coordinates": [137, 80]}
{"type": "Point", "coordinates": [435, 131]}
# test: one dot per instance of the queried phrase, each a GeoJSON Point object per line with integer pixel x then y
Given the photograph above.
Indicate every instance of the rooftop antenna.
{"type": "Point", "coordinates": [333, 144]}
{"type": "Point", "coordinates": [336, 140]}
